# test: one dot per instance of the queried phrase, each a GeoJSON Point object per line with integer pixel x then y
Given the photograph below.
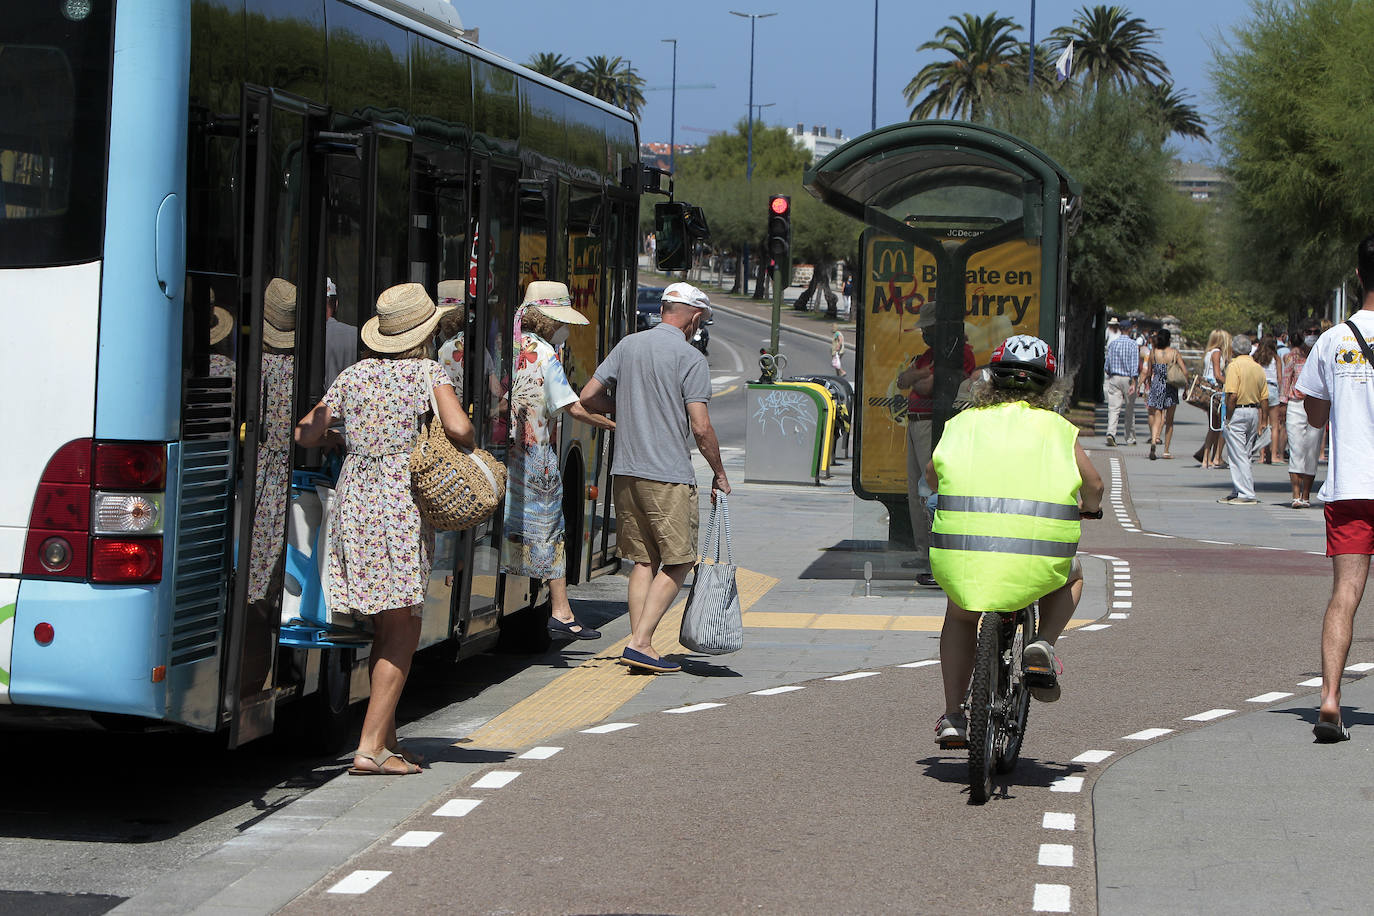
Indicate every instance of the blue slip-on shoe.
{"type": "Point", "coordinates": [639, 660]}
{"type": "Point", "coordinates": [559, 628]}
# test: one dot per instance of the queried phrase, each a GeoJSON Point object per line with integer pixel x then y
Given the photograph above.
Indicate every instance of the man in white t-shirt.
{"type": "Point", "coordinates": [1338, 384]}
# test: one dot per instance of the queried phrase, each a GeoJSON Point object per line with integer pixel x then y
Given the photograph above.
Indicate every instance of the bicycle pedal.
{"type": "Point", "coordinates": [1039, 677]}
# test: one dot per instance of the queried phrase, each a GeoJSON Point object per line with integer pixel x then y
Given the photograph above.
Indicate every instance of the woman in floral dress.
{"type": "Point", "coordinates": [533, 543]}
{"type": "Point", "coordinates": [381, 550]}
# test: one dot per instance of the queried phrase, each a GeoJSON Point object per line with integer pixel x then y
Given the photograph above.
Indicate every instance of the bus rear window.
{"type": "Point", "coordinates": [54, 103]}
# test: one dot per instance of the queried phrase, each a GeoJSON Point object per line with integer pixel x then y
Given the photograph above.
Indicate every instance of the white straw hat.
{"type": "Point", "coordinates": [223, 324]}
{"type": "Point", "coordinates": [279, 314]}
{"type": "Point", "coordinates": [452, 292]}
{"type": "Point", "coordinates": [406, 316]}
{"type": "Point", "coordinates": [553, 299]}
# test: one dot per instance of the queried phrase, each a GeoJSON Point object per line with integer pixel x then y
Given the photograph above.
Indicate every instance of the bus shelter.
{"type": "Point", "coordinates": [964, 245]}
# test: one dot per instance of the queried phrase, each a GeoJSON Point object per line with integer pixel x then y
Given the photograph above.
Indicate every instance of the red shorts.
{"type": "Point", "coordinates": [1350, 527]}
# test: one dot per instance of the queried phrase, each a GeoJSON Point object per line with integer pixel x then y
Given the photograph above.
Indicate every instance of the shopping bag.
{"type": "Point", "coordinates": [1200, 393]}
{"type": "Point", "coordinates": [712, 623]}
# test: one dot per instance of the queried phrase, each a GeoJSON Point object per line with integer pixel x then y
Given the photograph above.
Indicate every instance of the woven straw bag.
{"type": "Point", "coordinates": [454, 489]}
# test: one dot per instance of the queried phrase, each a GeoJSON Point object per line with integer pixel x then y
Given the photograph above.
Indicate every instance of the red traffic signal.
{"type": "Point", "coordinates": [780, 204]}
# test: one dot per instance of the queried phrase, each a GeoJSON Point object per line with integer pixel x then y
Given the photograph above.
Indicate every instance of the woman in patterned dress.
{"type": "Point", "coordinates": [533, 542]}
{"type": "Point", "coordinates": [381, 550]}
{"type": "Point", "coordinates": [1163, 397]}
{"type": "Point", "coordinates": [273, 478]}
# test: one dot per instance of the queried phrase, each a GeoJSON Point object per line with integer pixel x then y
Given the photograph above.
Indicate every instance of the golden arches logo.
{"type": "Point", "coordinates": [892, 261]}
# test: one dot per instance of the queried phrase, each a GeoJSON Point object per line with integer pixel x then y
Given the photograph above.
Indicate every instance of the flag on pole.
{"type": "Point", "coordinates": [1064, 65]}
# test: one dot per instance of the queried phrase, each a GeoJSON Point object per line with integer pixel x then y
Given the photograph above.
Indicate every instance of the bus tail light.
{"type": "Point", "coordinates": [126, 513]}
{"type": "Point", "coordinates": [126, 561]}
{"type": "Point", "coordinates": [130, 466]}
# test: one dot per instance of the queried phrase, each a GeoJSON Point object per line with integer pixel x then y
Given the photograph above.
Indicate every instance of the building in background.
{"type": "Point", "coordinates": [819, 142]}
{"type": "Point", "coordinates": [1198, 181]}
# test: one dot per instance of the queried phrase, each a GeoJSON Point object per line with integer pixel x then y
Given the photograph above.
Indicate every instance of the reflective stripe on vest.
{"type": "Point", "coordinates": [1004, 506]}
{"type": "Point", "coordinates": [1006, 521]}
{"type": "Point", "coordinates": [990, 544]}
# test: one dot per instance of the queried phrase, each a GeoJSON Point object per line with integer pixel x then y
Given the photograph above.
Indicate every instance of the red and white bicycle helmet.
{"type": "Point", "coordinates": [1023, 362]}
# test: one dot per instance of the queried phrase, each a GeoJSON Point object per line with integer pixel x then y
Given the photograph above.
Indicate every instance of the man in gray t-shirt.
{"type": "Point", "coordinates": [657, 385]}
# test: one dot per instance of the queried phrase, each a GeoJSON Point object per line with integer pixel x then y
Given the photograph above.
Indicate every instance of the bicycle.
{"type": "Point", "coordinates": [998, 702]}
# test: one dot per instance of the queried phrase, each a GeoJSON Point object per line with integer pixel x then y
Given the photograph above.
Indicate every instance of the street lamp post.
{"type": "Point", "coordinates": [1030, 76]}
{"type": "Point", "coordinates": [749, 156]}
{"type": "Point", "coordinates": [672, 106]}
{"type": "Point", "coordinates": [873, 123]}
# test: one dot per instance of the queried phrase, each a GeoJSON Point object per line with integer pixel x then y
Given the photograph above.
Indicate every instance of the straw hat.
{"type": "Point", "coordinates": [553, 299]}
{"type": "Point", "coordinates": [452, 292]}
{"type": "Point", "coordinates": [279, 314]}
{"type": "Point", "coordinates": [223, 324]}
{"type": "Point", "coordinates": [406, 316]}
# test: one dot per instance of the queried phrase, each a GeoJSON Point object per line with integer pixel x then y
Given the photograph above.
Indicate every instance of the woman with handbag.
{"type": "Point", "coordinates": [1164, 374]}
{"type": "Point", "coordinates": [533, 543]}
{"type": "Point", "coordinates": [381, 549]}
{"type": "Point", "coordinates": [1214, 361]}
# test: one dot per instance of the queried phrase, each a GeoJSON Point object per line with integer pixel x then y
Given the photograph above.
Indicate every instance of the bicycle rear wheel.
{"type": "Point", "coordinates": [1018, 631]}
{"type": "Point", "coordinates": [984, 697]}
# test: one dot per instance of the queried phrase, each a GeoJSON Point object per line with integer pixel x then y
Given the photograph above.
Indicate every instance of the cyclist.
{"type": "Point", "coordinates": [1011, 483]}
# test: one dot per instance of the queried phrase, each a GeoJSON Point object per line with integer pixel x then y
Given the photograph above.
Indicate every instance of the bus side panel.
{"type": "Point", "coordinates": [9, 590]}
{"type": "Point", "coordinates": [47, 372]}
{"type": "Point", "coordinates": [139, 380]}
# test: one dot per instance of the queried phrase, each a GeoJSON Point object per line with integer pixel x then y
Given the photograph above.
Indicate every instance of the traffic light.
{"type": "Point", "coordinates": [780, 236]}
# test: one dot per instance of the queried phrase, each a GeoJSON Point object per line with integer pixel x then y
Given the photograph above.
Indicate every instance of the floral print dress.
{"type": "Point", "coordinates": [382, 551]}
{"type": "Point", "coordinates": [273, 478]}
{"type": "Point", "coordinates": [533, 542]}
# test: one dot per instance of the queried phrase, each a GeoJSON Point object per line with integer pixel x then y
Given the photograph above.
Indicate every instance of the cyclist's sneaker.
{"type": "Point", "coordinates": [1042, 668]}
{"type": "Point", "coordinates": [952, 731]}
{"type": "Point", "coordinates": [926, 580]}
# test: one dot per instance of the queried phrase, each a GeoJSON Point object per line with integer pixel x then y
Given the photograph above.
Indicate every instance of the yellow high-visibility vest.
{"type": "Point", "coordinates": [1006, 520]}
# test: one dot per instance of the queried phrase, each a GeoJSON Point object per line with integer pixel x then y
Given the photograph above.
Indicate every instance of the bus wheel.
{"type": "Point", "coordinates": [327, 719]}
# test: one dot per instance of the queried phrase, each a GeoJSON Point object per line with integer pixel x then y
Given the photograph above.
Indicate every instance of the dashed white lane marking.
{"type": "Point", "coordinates": [1147, 734]}
{"type": "Point", "coordinates": [926, 662]}
{"type": "Point", "coordinates": [1167, 537]}
{"type": "Point", "coordinates": [1209, 715]}
{"type": "Point", "coordinates": [1092, 756]}
{"type": "Point", "coordinates": [1311, 682]}
{"type": "Point", "coordinates": [1316, 553]}
{"type": "Point", "coordinates": [1056, 855]}
{"type": "Point", "coordinates": [1051, 898]}
{"type": "Point", "coordinates": [608, 728]}
{"type": "Point", "coordinates": [853, 676]}
{"type": "Point", "coordinates": [1118, 616]}
{"type": "Point", "coordinates": [1269, 697]}
{"type": "Point", "coordinates": [1058, 820]}
{"type": "Point", "coordinates": [539, 753]}
{"type": "Point", "coordinates": [457, 807]}
{"type": "Point", "coordinates": [1121, 604]}
{"type": "Point", "coordinates": [359, 882]}
{"type": "Point", "coordinates": [1222, 543]}
{"type": "Point", "coordinates": [1093, 627]}
{"type": "Point", "coordinates": [773, 691]}
{"type": "Point", "coordinates": [1132, 530]}
{"type": "Point", "coordinates": [1067, 784]}
{"type": "Point", "coordinates": [695, 707]}
{"type": "Point", "coordinates": [1124, 593]}
{"type": "Point", "coordinates": [1361, 667]}
{"type": "Point", "coordinates": [496, 779]}
{"type": "Point", "coordinates": [417, 838]}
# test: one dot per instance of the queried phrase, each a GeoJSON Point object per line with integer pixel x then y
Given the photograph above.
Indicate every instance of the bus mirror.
{"type": "Point", "coordinates": [697, 229]}
{"type": "Point", "coordinates": [672, 245]}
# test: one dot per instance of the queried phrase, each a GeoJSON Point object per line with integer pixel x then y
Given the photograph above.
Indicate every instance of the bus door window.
{"type": "Point", "coordinates": [586, 264]}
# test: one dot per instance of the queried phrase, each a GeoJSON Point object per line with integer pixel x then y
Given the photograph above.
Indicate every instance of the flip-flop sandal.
{"type": "Point", "coordinates": [1330, 732]}
{"type": "Point", "coordinates": [379, 760]}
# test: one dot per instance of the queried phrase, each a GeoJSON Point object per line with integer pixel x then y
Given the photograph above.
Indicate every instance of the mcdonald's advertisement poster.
{"type": "Point", "coordinates": [1002, 289]}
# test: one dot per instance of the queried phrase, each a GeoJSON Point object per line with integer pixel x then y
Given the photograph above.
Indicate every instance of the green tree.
{"type": "Point", "coordinates": [1111, 47]}
{"type": "Point", "coordinates": [1177, 115]}
{"type": "Point", "coordinates": [1293, 84]}
{"type": "Point", "coordinates": [554, 66]}
{"type": "Point", "coordinates": [982, 62]}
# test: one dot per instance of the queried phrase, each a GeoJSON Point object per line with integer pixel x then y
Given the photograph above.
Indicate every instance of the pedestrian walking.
{"type": "Point", "coordinates": [1338, 385]}
{"type": "Point", "coordinates": [1214, 360]}
{"type": "Point", "coordinates": [847, 293]}
{"type": "Point", "coordinates": [1267, 355]}
{"type": "Point", "coordinates": [340, 340]}
{"type": "Point", "coordinates": [1304, 439]}
{"type": "Point", "coordinates": [1123, 375]}
{"type": "Point", "coordinates": [1162, 398]}
{"type": "Point", "coordinates": [918, 380]}
{"type": "Point", "coordinates": [1246, 388]}
{"type": "Point", "coordinates": [533, 542]}
{"type": "Point", "coordinates": [381, 550]}
{"type": "Point", "coordinates": [837, 350]}
{"type": "Point", "coordinates": [662, 387]}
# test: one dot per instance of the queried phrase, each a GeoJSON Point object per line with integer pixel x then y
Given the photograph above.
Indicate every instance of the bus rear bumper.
{"type": "Point", "coordinates": [104, 647]}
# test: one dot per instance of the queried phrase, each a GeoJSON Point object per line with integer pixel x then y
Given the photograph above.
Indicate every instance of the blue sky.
{"type": "Point", "coordinates": [814, 60]}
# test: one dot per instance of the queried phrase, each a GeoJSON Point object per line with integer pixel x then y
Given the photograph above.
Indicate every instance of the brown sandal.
{"type": "Point", "coordinates": [379, 760]}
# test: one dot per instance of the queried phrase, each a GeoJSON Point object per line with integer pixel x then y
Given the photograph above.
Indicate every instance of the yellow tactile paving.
{"type": "Point", "coordinates": [597, 687]}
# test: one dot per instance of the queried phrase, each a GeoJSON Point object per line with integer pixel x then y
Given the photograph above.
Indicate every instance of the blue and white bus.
{"type": "Point", "coordinates": [161, 163]}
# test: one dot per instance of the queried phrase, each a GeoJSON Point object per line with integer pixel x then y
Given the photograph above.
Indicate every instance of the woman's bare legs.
{"type": "Point", "coordinates": [1169, 427]}
{"type": "Point", "coordinates": [395, 636]}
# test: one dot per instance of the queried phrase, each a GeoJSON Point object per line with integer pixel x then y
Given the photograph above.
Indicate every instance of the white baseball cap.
{"type": "Point", "coordinates": [688, 294]}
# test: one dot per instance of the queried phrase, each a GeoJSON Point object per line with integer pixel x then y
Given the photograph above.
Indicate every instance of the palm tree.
{"type": "Point", "coordinates": [1109, 46]}
{"type": "Point", "coordinates": [554, 66]}
{"type": "Point", "coordinates": [1175, 112]}
{"type": "Point", "coordinates": [983, 52]}
{"type": "Point", "coordinates": [629, 93]}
